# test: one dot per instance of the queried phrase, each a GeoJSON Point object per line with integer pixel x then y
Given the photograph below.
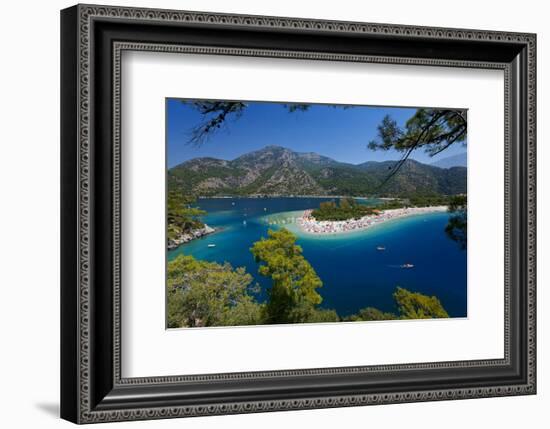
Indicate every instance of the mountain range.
{"type": "Point", "coordinates": [460, 160]}
{"type": "Point", "coordinates": [275, 170]}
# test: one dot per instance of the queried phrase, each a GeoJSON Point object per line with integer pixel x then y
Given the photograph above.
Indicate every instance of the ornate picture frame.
{"type": "Point", "coordinates": [92, 40]}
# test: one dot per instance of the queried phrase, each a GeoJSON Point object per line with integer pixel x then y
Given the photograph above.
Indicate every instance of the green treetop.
{"type": "Point", "coordinates": [293, 295]}
{"type": "Point", "coordinates": [413, 305]}
{"type": "Point", "coordinates": [202, 293]}
{"type": "Point", "coordinates": [371, 313]}
{"type": "Point", "coordinates": [181, 217]}
{"type": "Point", "coordinates": [457, 228]}
{"type": "Point", "coordinates": [347, 208]}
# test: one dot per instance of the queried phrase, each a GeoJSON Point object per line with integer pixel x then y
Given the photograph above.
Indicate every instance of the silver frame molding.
{"type": "Point", "coordinates": [93, 39]}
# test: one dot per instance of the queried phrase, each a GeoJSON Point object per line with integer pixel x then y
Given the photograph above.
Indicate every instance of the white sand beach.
{"type": "Point", "coordinates": [307, 222]}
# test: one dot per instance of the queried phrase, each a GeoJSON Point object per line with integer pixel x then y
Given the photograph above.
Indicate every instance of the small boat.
{"type": "Point", "coordinates": [233, 203]}
{"type": "Point", "coordinates": [407, 266]}
{"type": "Point", "coordinates": [380, 248]}
{"type": "Point", "coordinates": [211, 245]}
{"type": "Point", "coordinates": [265, 209]}
{"type": "Point", "coordinates": [244, 222]}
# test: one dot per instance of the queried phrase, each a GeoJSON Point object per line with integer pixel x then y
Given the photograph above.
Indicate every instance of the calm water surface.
{"type": "Point", "coordinates": [354, 274]}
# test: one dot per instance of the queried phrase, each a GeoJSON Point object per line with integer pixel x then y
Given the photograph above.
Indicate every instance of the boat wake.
{"type": "Point", "coordinates": [401, 266]}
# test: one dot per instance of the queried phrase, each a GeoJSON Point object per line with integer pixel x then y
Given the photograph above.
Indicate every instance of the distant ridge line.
{"type": "Point", "coordinates": [276, 170]}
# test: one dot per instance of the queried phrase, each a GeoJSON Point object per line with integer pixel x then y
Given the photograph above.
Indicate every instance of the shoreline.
{"type": "Point", "coordinates": [307, 223]}
{"type": "Point", "coordinates": [190, 236]}
{"type": "Point", "coordinates": [265, 197]}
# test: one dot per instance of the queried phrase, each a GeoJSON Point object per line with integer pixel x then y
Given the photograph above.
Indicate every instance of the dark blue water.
{"type": "Point", "coordinates": [354, 274]}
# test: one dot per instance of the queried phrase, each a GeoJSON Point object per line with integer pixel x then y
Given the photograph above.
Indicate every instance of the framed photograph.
{"type": "Point", "coordinates": [265, 213]}
{"type": "Point", "coordinates": [301, 221]}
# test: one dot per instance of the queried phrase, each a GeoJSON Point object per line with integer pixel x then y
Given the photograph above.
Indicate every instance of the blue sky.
{"type": "Point", "coordinates": [341, 134]}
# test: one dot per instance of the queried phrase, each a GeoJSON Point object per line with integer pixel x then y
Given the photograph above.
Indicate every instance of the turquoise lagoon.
{"type": "Point", "coordinates": [354, 273]}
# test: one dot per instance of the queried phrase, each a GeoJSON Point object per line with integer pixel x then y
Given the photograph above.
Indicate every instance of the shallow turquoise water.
{"type": "Point", "coordinates": [354, 274]}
